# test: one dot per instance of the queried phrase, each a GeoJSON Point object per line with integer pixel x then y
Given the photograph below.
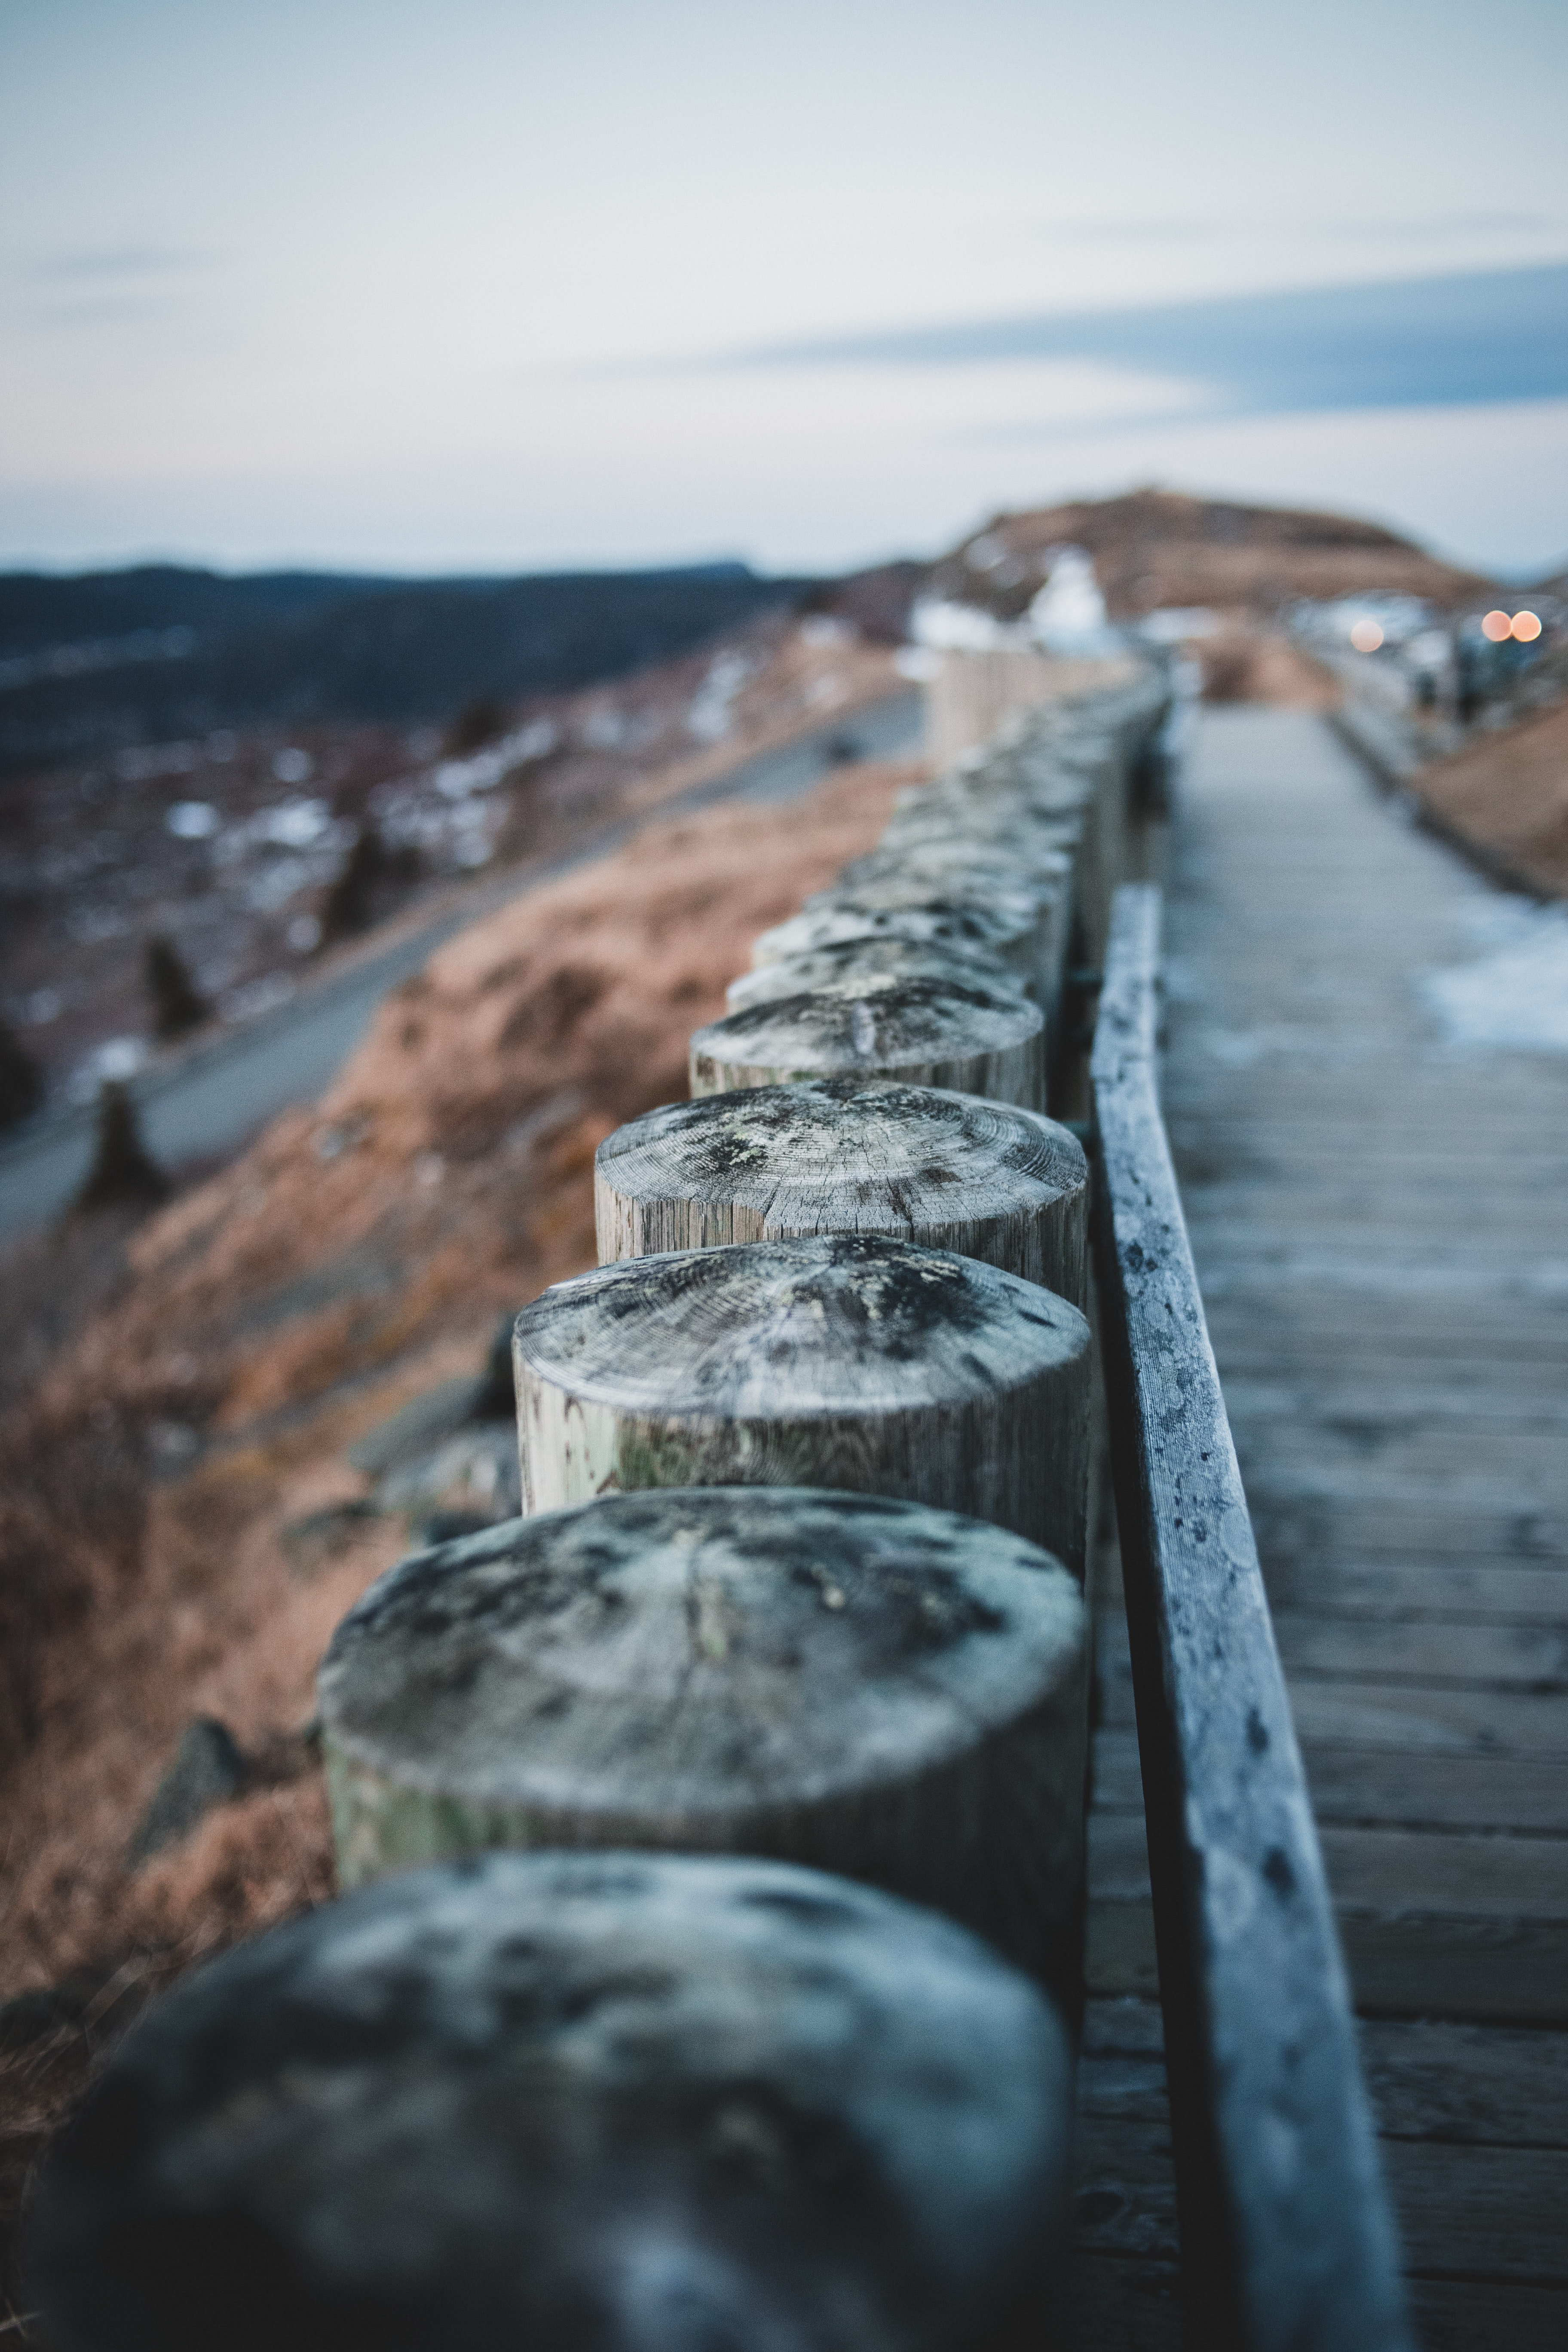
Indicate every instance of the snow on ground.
{"type": "Point", "coordinates": [1516, 996]}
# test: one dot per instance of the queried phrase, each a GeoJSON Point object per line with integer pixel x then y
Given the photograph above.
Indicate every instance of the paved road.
{"type": "Point", "coordinates": [1381, 1229]}
{"type": "Point", "coordinates": [218, 1094]}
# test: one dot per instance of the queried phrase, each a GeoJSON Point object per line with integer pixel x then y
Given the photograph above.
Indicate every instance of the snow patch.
{"type": "Point", "coordinates": [1517, 997]}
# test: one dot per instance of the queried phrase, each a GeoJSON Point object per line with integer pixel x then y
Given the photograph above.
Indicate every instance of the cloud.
{"type": "Point", "coordinates": [1486, 335]}
{"type": "Point", "coordinates": [114, 265]}
{"type": "Point", "coordinates": [1132, 231]}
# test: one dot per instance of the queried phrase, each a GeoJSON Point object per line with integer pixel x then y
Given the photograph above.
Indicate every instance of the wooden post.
{"type": "Point", "coordinates": [577, 2100]}
{"type": "Point", "coordinates": [879, 1689]}
{"type": "Point", "coordinates": [942, 851]}
{"type": "Point", "coordinates": [924, 1033]}
{"type": "Point", "coordinates": [1010, 898]}
{"type": "Point", "coordinates": [1011, 930]}
{"type": "Point", "coordinates": [1050, 813]}
{"type": "Point", "coordinates": [1046, 781]}
{"type": "Point", "coordinates": [858, 967]}
{"type": "Point", "coordinates": [842, 1360]}
{"type": "Point", "coordinates": [833, 1156]}
{"type": "Point", "coordinates": [952, 862]}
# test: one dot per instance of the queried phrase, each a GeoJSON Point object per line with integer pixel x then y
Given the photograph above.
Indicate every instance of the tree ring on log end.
{"type": "Point", "coordinates": [843, 1360]}
{"type": "Point", "coordinates": [835, 1155]}
{"type": "Point", "coordinates": [939, 1031]}
{"type": "Point", "coordinates": [870, 1687]}
{"type": "Point", "coordinates": [855, 967]}
{"type": "Point", "coordinates": [583, 2103]}
{"type": "Point", "coordinates": [1011, 931]}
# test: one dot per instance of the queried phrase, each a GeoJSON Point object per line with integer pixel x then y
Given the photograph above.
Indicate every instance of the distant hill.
{"type": "Point", "coordinates": [1153, 548]}
{"type": "Point", "coordinates": [91, 663]}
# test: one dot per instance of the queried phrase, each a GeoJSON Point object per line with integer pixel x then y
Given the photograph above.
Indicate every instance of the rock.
{"type": "Point", "coordinates": [419, 1426]}
{"type": "Point", "coordinates": [475, 1472]}
{"type": "Point", "coordinates": [318, 1537]}
{"type": "Point", "coordinates": [208, 1770]}
{"type": "Point", "coordinates": [496, 1399]}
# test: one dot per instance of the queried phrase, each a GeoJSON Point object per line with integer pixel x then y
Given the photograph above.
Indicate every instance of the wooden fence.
{"type": "Point", "coordinates": [711, 1837]}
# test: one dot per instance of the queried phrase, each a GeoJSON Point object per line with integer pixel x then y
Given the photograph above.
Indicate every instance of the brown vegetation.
{"type": "Point", "coordinates": [1159, 548]}
{"type": "Point", "coordinates": [1505, 797]}
{"type": "Point", "coordinates": [1261, 666]}
{"type": "Point", "coordinates": [234, 1345]}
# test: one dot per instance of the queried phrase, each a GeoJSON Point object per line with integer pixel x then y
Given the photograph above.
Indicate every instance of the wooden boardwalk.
{"type": "Point", "coordinates": [1380, 1223]}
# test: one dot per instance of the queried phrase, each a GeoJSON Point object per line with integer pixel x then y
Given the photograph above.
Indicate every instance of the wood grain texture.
{"type": "Point", "coordinates": [583, 2102]}
{"type": "Point", "coordinates": [1011, 932]}
{"type": "Point", "coordinates": [1045, 849]}
{"type": "Point", "coordinates": [857, 967]}
{"type": "Point", "coordinates": [1285, 2221]}
{"type": "Point", "coordinates": [843, 1360]}
{"type": "Point", "coordinates": [1000, 783]}
{"type": "Point", "coordinates": [869, 1686]}
{"type": "Point", "coordinates": [924, 856]}
{"type": "Point", "coordinates": [948, 1170]}
{"type": "Point", "coordinates": [924, 1033]}
{"type": "Point", "coordinates": [1010, 902]}
{"type": "Point", "coordinates": [1375, 1215]}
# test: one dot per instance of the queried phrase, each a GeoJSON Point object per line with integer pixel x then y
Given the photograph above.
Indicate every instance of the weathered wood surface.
{"type": "Point", "coordinates": [924, 1033]}
{"type": "Point", "coordinates": [1011, 931]}
{"type": "Point", "coordinates": [1126, 2251]}
{"type": "Point", "coordinates": [869, 1686]}
{"type": "Point", "coordinates": [1007, 898]}
{"type": "Point", "coordinates": [986, 830]}
{"type": "Point", "coordinates": [576, 2101]}
{"type": "Point", "coordinates": [830, 1156]}
{"type": "Point", "coordinates": [1007, 688]}
{"type": "Point", "coordinates": [857, 967]}
{"type": "Point", "coordinates": [844, 1360]}
{"type": "Point", "coordinates": [941, 856]}
{"type": "Point", "coordinates": [1378, 1225]}
{"type": "Point", "coordinates": [1286, 2231]}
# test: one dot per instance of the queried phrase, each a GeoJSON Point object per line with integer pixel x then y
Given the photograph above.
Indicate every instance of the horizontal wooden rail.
{"type": "Point", "coordinates": [1287, 2243]}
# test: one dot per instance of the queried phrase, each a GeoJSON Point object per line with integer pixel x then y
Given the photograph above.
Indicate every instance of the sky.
{"type": "Point", "coordinates": [502, 287]}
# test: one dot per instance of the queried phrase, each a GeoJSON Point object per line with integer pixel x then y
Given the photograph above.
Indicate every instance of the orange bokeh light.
{"type": "Point", "coordinates": [1497, 627]}
{"type": "Point", "coordinates": [1366, 637]}
{"type": "Point", "coordinates": [1526, 628]}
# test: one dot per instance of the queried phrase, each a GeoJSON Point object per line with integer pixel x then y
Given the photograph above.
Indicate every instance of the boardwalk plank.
{"type": "Point", "coordinates": [1389, 1786]}
{"type": "Point", "coordinates": [1378, 1223]}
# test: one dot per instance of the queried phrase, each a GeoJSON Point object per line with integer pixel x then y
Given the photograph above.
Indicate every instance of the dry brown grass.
{"type": "Point", "coordinates": [1505, 796]}
{"type": "Point", "coordinates": [274, 1313]}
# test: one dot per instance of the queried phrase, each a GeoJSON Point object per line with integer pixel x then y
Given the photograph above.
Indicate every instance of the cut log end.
{"type": "Point", "coordinates": [860, 967]}
{"type": "Point", "coordinates": [942, 1032]}
{"type": "Point", "coordinates": [584, 2103]}
{"type": "Point", "coordinates": [864, 1685]}
{"type": "Point", "coordinates": [846, 1360]}
{"type": "Point", "coordinates": [949, 1171]}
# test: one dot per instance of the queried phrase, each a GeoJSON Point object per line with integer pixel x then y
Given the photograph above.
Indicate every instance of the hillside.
{"type": "Point", "coordinates": [1505, 798]}
{"type": "Point", "coordinates": [1156, 548]}
{"type": "Point", "coordinates": [91, 664]}
{"type": "Point", "coordinates": [181, 1525]}
{"type": "Point", "coordinates": [235, 846]}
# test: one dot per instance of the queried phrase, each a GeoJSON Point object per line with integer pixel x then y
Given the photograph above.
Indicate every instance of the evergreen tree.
{"type": "Point", "coordinates": [123, 1173]}
{"type": "Point", "coordinates": [177, 1007]}
{"type": "Point", "coordinates": [21, 1078]}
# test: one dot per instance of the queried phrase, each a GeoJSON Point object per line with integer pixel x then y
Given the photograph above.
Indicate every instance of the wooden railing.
{"type": "Point", "coordinates": [1286, 2239]}
{"type": "Point", "coordinates": [838, 1306]}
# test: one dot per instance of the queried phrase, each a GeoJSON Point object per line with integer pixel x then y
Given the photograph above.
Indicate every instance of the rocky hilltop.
{"type": "Point", "coordinates": [1156, 548]}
